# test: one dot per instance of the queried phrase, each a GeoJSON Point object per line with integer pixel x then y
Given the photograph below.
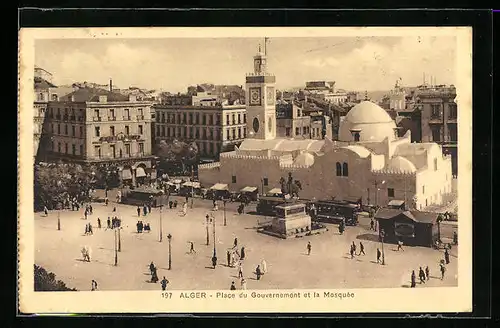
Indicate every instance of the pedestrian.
{"type": "Point", "coordinates": [90, 209]}
{"type": "Point", "coordinates": [258, 272]}
{"type": "Point", "coordinates": [233, 287]}
{"type": "Point", "coordinates": [109, 223]}
{"type": "Point", "coordinates": [361, 248]}
{"type": "Point", "coordinates": [214, 261]}
{"type": "Point", "coordinates": [235, 243]}
{"type": "Point", "coordinates": [184, 209]}
{"type": "Point", "coordinates": [443, 270]}
{"type": "Point", "coordinates": [98, 223]}
{"type": "Point", "coordinates": [170, 204]}
{"type": "Point", "coordinates": [86, 213]}
{"type": "Point", "coordinates": [427, 272]}
{"type": "Point", "coordinates": [138, 211]}
{"type": "Point", "coordinates": [455, 238]}
{"type": "Point", "coordinates": [191, 250]}
{"type": "Point", "coordinates": [413, 279]}
{"type": "Point", "coordinates": [86, 228]}
{"type": "Point", "coordinates": [46, 211]}
{"type": "Point", "coordinates": [175, 203]}
{"type": "Point", "coordinates": [106, 201]}
{"type": "Point", "coordinates": [352, 252]}
{"type": "Point", "coordinates": [90, 229]}
{"type": "Point", "coordinates": [378, 255]}
{"type": "Point", "coordinates": [164, 283]}
{"type": "Point", "coordinates": [149, 207]}
{"type": "Point", "coordinates": [309, 248]}
{"type": "Point", "coordinates": [151, 267]}
{"type": "Point", "coordinates": [228, 258]}
{"type": "Point", "coordinates": [354, 248]}
{"type": "Point", "coordinates": [94, 285]}
{"type": "Point", "coordinates": [240, 270]}
{"type": "Point", "coordinates": [243, 284]}
{"type": "Point", "coordinates": [421, 275]}
{"type": "Point", "coordinates": [145, 210]}
{"type": "Point", "coordinates": [263, 265]}
{"type": "Point", "coordinates": [187, 198]}
{"type": "Point", "coordinates": [447, 256]}
{"type": "Point", "coordinates": [372, 225]}
{"type": "Point", "coordinates": [114, 209]}
{"type": "Point", "coordinates": [400, 245]}
{"type": "Point", "coordinates": [154, 276]}
{"type": "Point", "coordinates": [242, 255]}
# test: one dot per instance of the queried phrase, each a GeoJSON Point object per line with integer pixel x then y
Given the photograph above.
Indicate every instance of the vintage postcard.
{"type": "Point", "coordinates": [245, 170]}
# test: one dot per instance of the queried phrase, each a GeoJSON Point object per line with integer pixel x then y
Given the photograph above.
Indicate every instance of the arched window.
{"type": "Point", "coordinates": [40, 96]}
{"type": "Point", "coordinates": [356, 136]}
{"type": "Point", "coordinates": [339, 169]}
{"type": "Point", "coordinates": [345, 170]}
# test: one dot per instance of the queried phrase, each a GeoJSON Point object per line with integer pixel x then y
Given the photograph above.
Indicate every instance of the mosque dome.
{"type": "Point", "coordinates": [304, 159]}
{"type": "Point", "coordinates": [401, 164]}
{"type": "Point", "coordinates": [372, 121]}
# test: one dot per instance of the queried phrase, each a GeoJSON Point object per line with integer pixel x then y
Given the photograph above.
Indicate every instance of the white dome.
{"type": "Point", "coordinates": [401, 164]}
{"type": "Point", "coordinates": [304, 159]}
{"type": "Point", "coordinates": [373, 122]}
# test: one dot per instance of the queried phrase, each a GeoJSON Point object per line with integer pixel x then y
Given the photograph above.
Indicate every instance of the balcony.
{"type": "Point", "coordinates": [451, 119]}
{"type": "Point", "coordinates": [96, 118]}
{"type": "Point", "coordinates": [121, 137]}
{"type": "Point", "coordinates": [126, 118]}
{"type": "Point", "coordinates": [140, 117]}
{"type": "Point", "coordinates": [111, 118]}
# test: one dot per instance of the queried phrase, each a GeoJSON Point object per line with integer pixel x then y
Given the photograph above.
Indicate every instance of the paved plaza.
{"type": "Point", "coordinates": [288, 265]}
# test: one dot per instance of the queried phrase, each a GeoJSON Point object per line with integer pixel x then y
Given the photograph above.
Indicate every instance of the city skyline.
{"type": "Point", "coordinates": [355, 63]}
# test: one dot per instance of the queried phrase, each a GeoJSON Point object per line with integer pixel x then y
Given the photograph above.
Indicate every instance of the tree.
{"type": "Point", "coordinates": [46, 281]}
{"type": "Point", "coordinates": [177, 151]}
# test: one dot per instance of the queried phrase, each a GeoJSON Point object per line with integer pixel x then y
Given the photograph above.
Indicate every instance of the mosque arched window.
{"type": "Point", "coordinates": [356, 136]}
{"type": "Point", "coordinates": [345, 170]}
{"type": "Point", "coordinates": [339, 169]}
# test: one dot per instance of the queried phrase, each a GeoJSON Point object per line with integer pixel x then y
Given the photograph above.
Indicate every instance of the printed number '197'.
{"type": "Point", "coordinates": [166, 295]}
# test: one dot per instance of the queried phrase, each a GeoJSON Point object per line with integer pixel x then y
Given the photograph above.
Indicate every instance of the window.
{"type": "Point", "coordinates": [141, 148]}
{"type": "Point", "coordinates": [234, 133]}
{"type": "Point", "coordinates": [140, 129]}
{"type": "Point", "coordinates": [65, 129]}
{"type": "Point", "coordinates": [233, 179]}
{"type": "Point", "coordinates": [81, 131]}
{"type": "Point", "coordinates": [111, 130]}
{"type": "Point", "coordinates": [227, 134]}
{"type": "Point", "coordinates": [127, 149]}
{"type": "Point", "coordinates": [227, 120]}
{"type": "Point", "coordinates": [234, 120]}
{"type": "Point", "coordinates": [73, 149]}
{"type": "Point", "coordinates": [338, 169]}
{"type": "Point", "coordinates": [66, 147]}
{"type": "Point", "coordinates": [184, 116]}
{"type": "Point", "coordinates": [81, 150]}
{"type": "Point", "coordinates": [197, 133]}
{"type": "Point", "coordinates": [452, 132]}
{"type": "Point", "coordinates": [163, 117]}
{"type": "Point", "coordinates": [210, 120]}
{"type": "Point", "coordinates": [113, 151]}
{"type": "Point", "coordinates": [73, 130]}
{"type": "Point", "coordinates": [423, 189]}
{"type": "Point", "coordinates": [197, 118]}
{"type": "Point", "coordinates": [96, 113]}
{"type": "Point", "coordinates": [452, 111]}
{"type": "Point", "coordinates": [97, 131]}
{"type": "Point", "coordinates": [204, 133]}
{"type": "Point", "coordinates": [112, 113]}
{"type": "Point", "coordinates": [345, 170]}
{"type": "Point", "coordinates": [356, 136]}
{"type": "Point", "coordinates": [436, 134]}
{"type": "Point", "coordinates": [52, 127]}
{"type": "Point", "coordinates": [239, 133]}
{"type": "Point", "coordinates": [435, 111]}
{"type": "Point", "coordinates": [97, 151]}
{"type": "Point", "coordinates": [120, 153]}
{"type": "Point", "coordinates": [127, 130]}
{"type": "Point", "coordinates": [244, 132]}
{"type": "Point", "coordinates": [435, 164]}
{"type": "Point", "coordinates": [265, 181]}
{"type": "Point", "coordinates": [141, 114]}
{"type": "Point", "coordinates": [239, 118]}
{"type": "Point", "coordinates": [184, 132]}
{"type": "Point", "coordinates": [244, 118]}
{"type": "Point", "coordinates": [305, 130]}
{"type": "Point", "coordinates": [297, 131]}
{"type": "Point", "coordinates": [287, 132]}
{"type": "Point", "coordinates": [203, 120]}
{"type": "Point", "coordinates": [163, 130]}
{"type": "Point", "coordinates": [178, 118]}
{"type": "Point", "coordinates": [58, 147]}
{"type": "Point", "coordinates": [390, 192]}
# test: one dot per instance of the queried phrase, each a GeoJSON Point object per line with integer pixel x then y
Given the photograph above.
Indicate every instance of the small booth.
{"type": "Point", "coordinates": [219, 191]}
{"type": "Point", "coordinates": [396, 204]}
{"type": "Point", "coordinates": [190, 188]}
{"type": "Point", "coordinates": [413, 228]}
{"type": "Point", "coordinates": [249, 193]}
{"type": "Point", "coordinates": [275, 192]}
{"type": "Point", "coordinates": [140, 196]}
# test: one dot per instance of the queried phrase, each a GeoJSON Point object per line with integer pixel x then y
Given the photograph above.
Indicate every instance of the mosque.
{"type": "Point", "coordinates": [369, 161]}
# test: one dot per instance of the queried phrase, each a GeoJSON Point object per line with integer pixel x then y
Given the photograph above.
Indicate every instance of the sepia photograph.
{"type": "Point", "coordinates": [273, 163]}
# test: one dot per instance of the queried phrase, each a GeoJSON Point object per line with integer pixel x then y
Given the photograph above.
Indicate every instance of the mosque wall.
{"type": "Point", "coordinates": [434, 182]}
{"type": "Point", "coordinates": [386, 185]}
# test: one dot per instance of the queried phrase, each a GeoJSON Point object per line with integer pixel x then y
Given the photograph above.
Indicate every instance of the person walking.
{"type": "Point", "coordinates": [354, 248]}
{"type": "Point", "coordinates": [86, 229]}
{"type": "Point", "coordinates": [86, 213]}
{"type": "Point", "coordinates": [258, 272]}
{"type": "Point", "coordinates": [46, 211]}
{"type": "Point", "coordinates": [98, 223]}
{"type": "Point", "coordinates": [379, 254]}
{"type": "Point", "coordinates": [151, 267]}
{"type": "Point", "coordinates": [108, 223]}
{"type": "Point", "coordinates": [164, 283]}
{"type": "Point", "coordinates": [154, 276]}
{"type": "Point", "coordinates": [400, 245]}
{"type": "Point", "coordinates": [263, 265]}
{"type": "Point", "coordinates": [372, 225]}
{"type": "Point", "coordinates": [443, 270]}
{"type": "Point", "coordinates": [228, 255]}
{"type": "Point", "coordinates": [149, 207]}
{"type": "Point", "coordinates": [446, 256]}
{"type": "Point", "coordinates": [455, 238]}
{"type": "Point", "coordinates": [243, 284]}
{"type": "Point", "coordinates": [421, 275]}
{"type": "Point", "coordinates": [90, 209]}
{"type": "Point", "coordinates": [240, 270]}
{"type": "Point", "coordinates": [184, 209]}
{"type": "Point", "coordinates": [351, 251]}
{"type": "Point", "coordinates": [361, 248]}
{"type": "Point", "coordinates": [138, 211]}
{"type": "Point", "coordinates": [413, 279]}
{"type": "Point", "coordinates": [427, 273]}
{"type": "Point", "coordinates": [191, 250]}
{"type": "Point", "coordinates": [235, 243]}
{"type": "Point", "coordinates": [309, 248]}
{"type": "Point", "coordinates": [145, 209]}
{"type": "Point", "coordinates": [242, 254]}
{"type": "Point", "coordinates": [214, 261]}
{"type": "Point", "coordinates": [90, 229]}
{"type": "Point", "coordinates": [94, 285]}
{"type": "Point", "coordinates": [233, 287]}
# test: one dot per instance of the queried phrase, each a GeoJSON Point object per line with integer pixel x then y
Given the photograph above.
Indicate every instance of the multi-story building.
{"type": "Point", "coordinates": [102, 128]}
{"type": "Point", "coordinates": [291, 122]}
{"type": "Point", "coordinates": [326, 91]}
{"type": "Point", "coordinates": [214, 129]}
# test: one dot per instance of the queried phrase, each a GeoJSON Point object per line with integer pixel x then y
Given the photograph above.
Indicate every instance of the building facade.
{"type": "Point", "coordinates": [102, 128]}
{"type": "Point", "coordinates": [214, 129]}
{"type": "Point", "coordinates": [292, 123]}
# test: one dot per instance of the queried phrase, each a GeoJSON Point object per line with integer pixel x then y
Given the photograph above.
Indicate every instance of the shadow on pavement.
{"type": "Point", "coordinates": [368, 236]}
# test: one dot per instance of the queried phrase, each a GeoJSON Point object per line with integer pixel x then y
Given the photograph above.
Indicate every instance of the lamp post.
{"type": "Point", "coordinates": [438, 221]}
{"type": "Point", "coordinates": [116, 250]}
{"type": "Point", "coordinates": [224, 205]}
{"type": "Point", "coordinates": [382, 235]}
{"type": "Point", "coordinates": [169, 237]}
{"type": "Point", "coordinates": [208, 237]}
{"type": "Point", "coordinates": [192, 187]}
{"type": "Point", "coordinates": [161, 224]}
{"type": "Point", "coordinates": [119, 239]}
{"type": "Point", "coordinates": [215, 253]}
{"type": "Point", "coordinates": [58, 220]}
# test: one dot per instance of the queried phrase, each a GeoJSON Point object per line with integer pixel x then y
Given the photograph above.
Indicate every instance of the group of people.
{"type": "Point", "coordinates": [113, 222]}
{"type": "Point", "coordinates": [154, 276]}
{"type": "Point", "coordinates": [172, 204]}
{"type": "Point", "coordinates": [424, 275]}
{"type": "Point", "coordinates": [146, 208]}
{"type": "Point", "coordinates": [88, 229]}
{"type": "Point", "coordinates": [352, 250]}
{"type": "Point", "coordinates": [143, 227]}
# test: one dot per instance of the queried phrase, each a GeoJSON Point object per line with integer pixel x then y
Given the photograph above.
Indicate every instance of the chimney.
{"type": "Point", "coordinates": [110, 85]}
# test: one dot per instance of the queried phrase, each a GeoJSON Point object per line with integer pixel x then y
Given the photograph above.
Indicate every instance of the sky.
{"type": "Point", "coordinates": [355, 63]}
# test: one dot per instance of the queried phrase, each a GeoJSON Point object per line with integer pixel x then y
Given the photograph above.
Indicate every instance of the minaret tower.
{"type": "Point", "coordinates": [261, 99]}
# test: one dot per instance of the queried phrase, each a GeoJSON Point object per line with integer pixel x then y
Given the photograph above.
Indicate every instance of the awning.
{"type": "Point", "coordinates": [275, 191]}
{"type": "Point", "coordinates": [248, 189]}
{"type": "Point", "coordinates": [219, 186]}
{"type": "Point", "coordinates": [139, 172]}
{"type": "Point", "coordinates": [396, 202]}
{"type": "Point", "coordinates": [192, 184]}
{"type": "Point", "coordinates": [126, 174]}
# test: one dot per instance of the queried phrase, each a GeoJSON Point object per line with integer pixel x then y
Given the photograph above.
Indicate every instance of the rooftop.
{"type": "Point", "coordinates": [92, 95]}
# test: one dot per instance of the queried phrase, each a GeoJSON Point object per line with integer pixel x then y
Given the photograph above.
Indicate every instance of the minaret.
{"type": "Point", "coordinates": [261, 100]}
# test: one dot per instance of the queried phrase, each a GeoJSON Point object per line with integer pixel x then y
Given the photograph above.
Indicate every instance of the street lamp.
{"type": "Point", "coordinates": [119, 239]}
{"type": "Point", "coordinates": [208, 222]}
{"type": "Point", "coordinates": [382, 235]}
{"type": "Point", "coordinates": [438, 221]}
{"type": "Point", "coordinates": [169, 237]}
{"type": "Point", "coordinates": [161, 224]}
{"type": "Point", "coordinates": [58, 221]}
{"type": "Point", "coordinates": [116, 250]}
{"type": "Point", "coordinates": [224, 203]}
{"type": "Point", "coordinates": [213, 218]}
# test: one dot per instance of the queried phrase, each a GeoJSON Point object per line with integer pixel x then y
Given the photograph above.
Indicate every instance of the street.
{"type": "Point", "coordinates": [289, 266]}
